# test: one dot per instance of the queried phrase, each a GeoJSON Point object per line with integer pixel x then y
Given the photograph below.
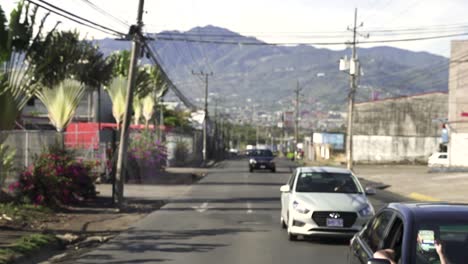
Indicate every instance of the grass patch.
{"type": "Point", "coordinates": [24, 246]}
{"type": "Point", "coordinates": [25, 212]}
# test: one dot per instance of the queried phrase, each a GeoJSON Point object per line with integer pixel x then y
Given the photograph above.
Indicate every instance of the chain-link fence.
{"type": "Point", "coordinates": [26, 144]}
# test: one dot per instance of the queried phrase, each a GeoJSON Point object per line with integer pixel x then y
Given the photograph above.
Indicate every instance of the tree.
{"type": "Point", "coordinates": [94, 70]}
{"type": "Point", "coordinates": [56, 58]}
{"type": "Point", "coordinates": [118, 93]}
{"type": "Point", "coordinates": [61, 102]}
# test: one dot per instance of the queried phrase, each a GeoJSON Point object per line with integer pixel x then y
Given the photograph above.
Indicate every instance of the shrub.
{"type": "Point", "coordinates": [55, 178]}
{"type": "Point", "coordinates": [147, 150]}
{"type": "Point", "coordinates": [181, 152]}
{"type": "Point", "coordinates": [7, 158]}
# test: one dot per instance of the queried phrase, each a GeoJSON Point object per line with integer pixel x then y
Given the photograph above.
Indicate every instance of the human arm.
{"type": "Point", "coordinates": [440, 251]}
{"type": "Point", "coordinates": [388, 254]}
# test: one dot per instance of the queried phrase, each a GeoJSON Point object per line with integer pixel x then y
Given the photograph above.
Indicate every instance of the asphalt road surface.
{"type": "Point", "coordinates": [231, 216]}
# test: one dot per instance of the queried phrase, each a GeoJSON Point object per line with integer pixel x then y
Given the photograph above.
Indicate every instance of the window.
{"type": "Point", "coordinates": [442, 156]}
{"type": "Point", "coordinates": [452, 235]}
{"type": "Point", "coordinates": [291, 179]}
{"type": "Point", "coordinates": [374, 232]}
{"type": "Point", "coordinates": [394, 240]}
{"type": "Point", "coordinates": [327, 183]}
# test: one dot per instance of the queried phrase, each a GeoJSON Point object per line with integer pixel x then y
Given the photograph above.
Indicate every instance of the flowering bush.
{"type": "Point", "coordinates": [56, 178]}
{"type": "Point", "coordinates": [147, 150]}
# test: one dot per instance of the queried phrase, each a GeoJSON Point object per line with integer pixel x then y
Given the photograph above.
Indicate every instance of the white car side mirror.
{"type": "Point", "coordinates": [285, 188]}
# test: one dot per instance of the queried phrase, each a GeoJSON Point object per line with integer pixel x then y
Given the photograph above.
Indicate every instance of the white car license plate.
{"type": "Point", "coordinates": [333, 222]}
{"type": "Point", "coordinates": [262, 166]}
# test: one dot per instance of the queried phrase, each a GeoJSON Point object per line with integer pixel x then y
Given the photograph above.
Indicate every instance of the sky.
{"type": "Point", "coordinates": [280, 21]}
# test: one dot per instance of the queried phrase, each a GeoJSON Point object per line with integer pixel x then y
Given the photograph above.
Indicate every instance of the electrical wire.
{"type": "Point", "coordinates": [77, 19]}
{"type": "Point", "coordinates": [104, 12]}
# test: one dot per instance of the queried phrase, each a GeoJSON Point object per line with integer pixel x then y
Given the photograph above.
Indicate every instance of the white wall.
{"type": "Point", "coordinates": [392, 148]}
{"type": "Point", "coordinates": [458, 150]}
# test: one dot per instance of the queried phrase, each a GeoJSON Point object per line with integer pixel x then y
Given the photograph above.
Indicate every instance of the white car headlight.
{"type": "Point", "coordinates": [300, 208]}
{"type": "Point", "coordinates": [252, 161]}
{"type": "Point", "coordinates": [368, 210]}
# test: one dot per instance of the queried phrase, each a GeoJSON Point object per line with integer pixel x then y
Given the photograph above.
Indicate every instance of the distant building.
{"type": "Point", "coordinates": [458, 105]}
{"type": "Point", "coordinates": [398, 129]}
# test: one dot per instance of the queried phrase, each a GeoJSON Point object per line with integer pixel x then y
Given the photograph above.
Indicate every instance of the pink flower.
{"type": "Point", "coordinates": [39, 199]}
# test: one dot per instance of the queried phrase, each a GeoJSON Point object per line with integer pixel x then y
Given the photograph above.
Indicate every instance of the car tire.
{"type": "Point", "coordinates": [292, 237]}
{"type": "Point", "coordinates": [273, 170]}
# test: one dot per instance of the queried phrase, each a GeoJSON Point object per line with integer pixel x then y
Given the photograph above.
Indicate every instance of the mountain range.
{"type": "Point", "coordinates": [254, 73]}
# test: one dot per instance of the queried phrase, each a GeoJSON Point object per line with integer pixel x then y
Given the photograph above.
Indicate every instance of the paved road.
{"type": "Point", "coordinates": [231, 216]}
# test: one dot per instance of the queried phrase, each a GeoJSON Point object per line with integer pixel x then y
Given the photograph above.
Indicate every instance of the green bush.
{"type": "Point", "coordinates": [7, 157]}
{"type": "Point", "coordinates": [181, 152]}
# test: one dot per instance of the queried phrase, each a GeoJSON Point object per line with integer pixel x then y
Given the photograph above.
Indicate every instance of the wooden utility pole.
{"type": "Point", "coordinates": [124, 131]}
{"type": "Point", "coordinates": [354, 74]}
{"type": "Point", "coordinates": [297, 91]}
{"type": "Point", "coordinates": [205, 122]}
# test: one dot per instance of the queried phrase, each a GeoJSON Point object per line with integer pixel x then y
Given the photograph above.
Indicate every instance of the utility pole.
{"type": "Point", "coordinates": [354, 72]}
{"type": "Point", "coordinates": [296, 123]}
{"type": "Point", "coordinates": [205, 121]}
{"type": "Point", "coordinates": [124, 131]}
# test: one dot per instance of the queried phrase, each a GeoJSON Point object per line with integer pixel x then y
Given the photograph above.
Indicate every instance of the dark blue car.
{"type": "Point", "coordinates": [420, 233]}
{"type": "Point", "coordinates": [261, 159]}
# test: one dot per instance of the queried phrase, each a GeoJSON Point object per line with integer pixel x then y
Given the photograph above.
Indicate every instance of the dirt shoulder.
{"type": "Point", "coordinates": [85, 226]}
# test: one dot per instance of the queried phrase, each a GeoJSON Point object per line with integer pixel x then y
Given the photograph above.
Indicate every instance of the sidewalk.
{"type": "Point", "coordinates": [416, 183]}
{"type": "Point", "coordinates": [98, 220]}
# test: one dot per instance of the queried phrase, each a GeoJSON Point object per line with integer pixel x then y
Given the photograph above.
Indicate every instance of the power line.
{"type": "Point", "coordinates": [171, 85]}
{"type": "Point", "coordinates": [75, 16]}
{"type": "Point", "coordinates": [104, 12]}
{"type": "Point", "coordinates": [71, 19]}
{"type": "Point", "coordinates": [259, 43]}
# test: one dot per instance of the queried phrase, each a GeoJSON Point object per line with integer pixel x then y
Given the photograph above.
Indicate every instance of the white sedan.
{"type": "Point", "coordinates": [324, 201]}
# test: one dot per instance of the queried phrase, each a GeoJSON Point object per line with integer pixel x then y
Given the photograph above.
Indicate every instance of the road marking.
{"type": "Point", "coordinates": [422, 197]}
{"type": "Point", "coordinates": [202, 208]}
{"type": "Point", "coordinates": [249, 208]}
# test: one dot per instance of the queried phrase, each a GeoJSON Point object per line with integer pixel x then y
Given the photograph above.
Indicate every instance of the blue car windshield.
{"type": "Point", "coordinates": [327, 183]}
{"type": "Point", "coordinates": [262, 153]}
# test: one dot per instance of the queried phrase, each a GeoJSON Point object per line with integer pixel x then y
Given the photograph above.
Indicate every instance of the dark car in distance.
{"type": "Point", "coordinates": [419, 233]}
{"type": "Point", "coordinates": [261, 159]}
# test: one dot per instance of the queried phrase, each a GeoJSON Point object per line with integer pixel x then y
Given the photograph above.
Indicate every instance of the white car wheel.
{"type": "Point", "coordinates": [283, 224]}
{"type": "Point", "coordinates": [291, 236]}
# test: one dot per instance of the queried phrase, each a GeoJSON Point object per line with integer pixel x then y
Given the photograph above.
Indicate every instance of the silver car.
{"type": "Point", "coordinates": [324, 201]}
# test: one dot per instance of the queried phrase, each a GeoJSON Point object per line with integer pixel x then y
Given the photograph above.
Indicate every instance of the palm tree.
{"type": "Point", "coordinates": [137, 109]}
{"type": "Point", "coordinates": [148, 104]}
{"type": "Point", "coordinates": [160, 88]}
{"type": "Point", "coordinates": [61, 102]}
{"type": "Point", "coordinates": [118, 94]}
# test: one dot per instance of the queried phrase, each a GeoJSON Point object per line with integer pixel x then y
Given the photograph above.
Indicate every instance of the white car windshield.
{"type": "Point", "coordinates": [327, 183]}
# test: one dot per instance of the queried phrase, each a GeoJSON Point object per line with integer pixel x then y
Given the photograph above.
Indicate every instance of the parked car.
{"type": "Point", "coordinates": [324, 201]}
{"type": "Point", "coordinates": [233, 152]}
{"type": "Point", "coordinates": [438, 159]}
{"type": "Point", "coordinates": [261, 159]}
{"type": "Point", "coordinates": [412, 232]}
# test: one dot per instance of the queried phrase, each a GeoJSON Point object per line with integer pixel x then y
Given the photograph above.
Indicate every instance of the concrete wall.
{"type": "Point", "coordinates": [398, 129]}
{"type": "Point", "coordinates": [403, 116]}
{"type": "Point", "coordinates": [458, 104]}
{"type": "Point", "coordinates": [458, 150]}
{"type": "Point", "coordinates": [384, 149]}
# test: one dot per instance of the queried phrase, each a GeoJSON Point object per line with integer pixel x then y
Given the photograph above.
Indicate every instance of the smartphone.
{"type": "Point", "coordinates": [426, 239]}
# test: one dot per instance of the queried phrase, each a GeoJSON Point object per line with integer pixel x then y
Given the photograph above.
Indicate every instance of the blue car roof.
{"type": "Point", "coordinates": [427, 211]}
